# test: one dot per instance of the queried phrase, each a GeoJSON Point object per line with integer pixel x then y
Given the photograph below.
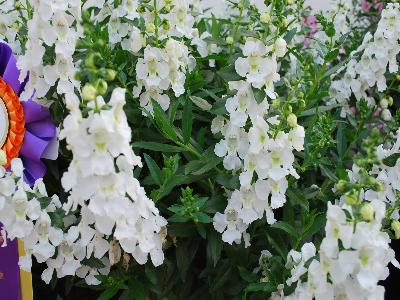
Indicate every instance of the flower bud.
{"type": "Point", "coordinates": [386, 115]}
{"type": "Point", "coordinates": [229, 40]}
{"type": "Point", "coordinates": [390, 100]}
{"type": "Point", "coordinates": [3, 158]}
{"type": "Point", "coordinates": [110, 75]}
{"type": "Point", "coordinates": [102, 86]}
{"type": "Point", "coordinates": [396, 228]}
{"type": "Point", "coordinates": [292, 120]}
{"type": "Point", "coordinates": [150, 28]}
{"type": "Point", "coordinates": [265, 18]}
{"type": "Point", "coordinates": [367, 212]}
{"type": "Point", "coordinates": [276, 103]}
{"type": "Point", "coordinates": [341, 185]}
{"type": "Point", "coordinates": [166, 25]}
{"type": "Point", "coordinates": [280, 47]}
{"type": "Point", "coordinates": [89, 92]}
{"type": "Point", "coordinates": [384, 103]}
{"type": "Point", "coordinates": [398, 77]}
{"type": "Point", "coordinates": [350, 199]}
{"type": "Point", "coordinates": [92, 60]}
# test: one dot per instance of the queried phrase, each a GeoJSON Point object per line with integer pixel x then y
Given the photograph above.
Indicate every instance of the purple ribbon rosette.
{"type": "Point", "coordinates": [28, 132]}
{"type": "Point", "coordinates": [39, 140]}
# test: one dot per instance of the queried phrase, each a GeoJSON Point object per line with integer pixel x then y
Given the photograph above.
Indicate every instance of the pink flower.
{"type": "Point", "coordinates": [379, 6]}
{"type": "Point", "coordinates": [311, 23]}
{"type": "Point", "coordinates": [366, 5]}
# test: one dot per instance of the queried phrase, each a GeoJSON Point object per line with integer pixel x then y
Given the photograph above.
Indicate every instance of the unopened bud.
{"type": "Point", "coordinates": [276, 103]}
{"type": "Point", "coordinates": [384, 103]}
{"type": "Point", "coordinates": [110, 75]}
{"type": "Point", "coordinates": [229, 40]}
{"type": "Point", "coordinates": [92, 60]}
{"type": "Point", "coordinates": [350, 199]}
{"type": "Point", "coordinates": [102, 86]}
{"type": "Point", "coordinates": [386, 115]}
{"type": "Point", "coordinates": [150, 28]}
{"type": "Point", "coordinates": [89, 92]}
{"type": "Point", "coordinates": [341, 185]}
{"type": "Point", "coordinates": [292, 120]}
{"type": "Point", "coordinates": [367, 212]}
{"type": "Point", "coordinates": [396, 228]}
{"type": "Point", "coordinates": [265, 18]}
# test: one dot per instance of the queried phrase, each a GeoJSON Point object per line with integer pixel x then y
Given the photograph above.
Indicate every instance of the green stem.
{"type": "Point", "coordinates": [156, 20]}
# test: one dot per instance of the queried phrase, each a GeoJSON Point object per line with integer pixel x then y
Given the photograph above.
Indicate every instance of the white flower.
{"type": "Point", "coordinates": [135, 42]}
{"type": "Point", "coordinates": [153, 68]}
{"type": "Point", "coordinates": [230, 224]}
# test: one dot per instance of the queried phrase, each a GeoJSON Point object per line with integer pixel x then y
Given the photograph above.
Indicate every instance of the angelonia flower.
{"type": "Point", "coordinates": [264, 160]}
{"type": "Point", "coordinates": [52, 25]}
{"type": "Point", "coordinates": [355, 252]}
{"type": "Point", "coordinates": [378, 55]}
{"type": "Point", "coordinates": [165, 61]}
{"type": "Point", "coordinates": [26, 213]}
{"type": "Point", "coordinates": [9, 25]}
{"type": "Point", "coordinates": [100, 182]}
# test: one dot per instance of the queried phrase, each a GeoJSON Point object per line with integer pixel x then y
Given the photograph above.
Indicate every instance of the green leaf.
{"type": "Point", "coordinates": [201, 230]}
{"type": "Point", "coordinates": [285, 227]}
{"type": "Point", "coordinates": [153, 146]}
{"type": "Point", "coordinates": [332, 55]}
{"type": "Point", "coordinates": [290, 35]}
{"type": "Point", "coordinates": [228, 73]}
{"type": "Point", "coordinates": [178, 218]}
{"type": "Point", "coordinates": [44, 202]}
{"type": "Point", "coordinates": [201, 103]}
{"type": "Point", "coordinates": [247, 275]}
{"type": "Point", "coordinates": [352, 120]}
{"type": "Point", "coordinates": [391, 160]}
{"type": "Point", "coordinates": [214, 246]}
{"type": "Point", "coordinates": [203, 217]}
{"type": "Point", "coordinates": [265, 287]}
{"type": "Point", "coordinates": [328, 173]}
{"type": "Point", "coordinates": [108, 293]}
{"type": "Point", "coordinates": [187, 121]}
{"type": "Point", "coordinates": [155, 171]}
{"type": "Point", "coordinates": [297, 198]}
{"type": "Point", "coordinates": [228, 181]}
{"type": "Point", "coordinates": [56, 218]}
{"type": "Point", "coordinates": [93, 262]}
{"type": "Point", "coordinates": [315, 225]}
{"type": "Point", "coordinates": [163, 123]}
{"type": "Point", "coordinates": [341, 141]}
{"type": "Point", "coordinates": [184, 255]}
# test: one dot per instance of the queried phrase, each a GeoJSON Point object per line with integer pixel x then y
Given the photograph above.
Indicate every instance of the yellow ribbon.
{"type": "Point", "coordinates": [26, 277]}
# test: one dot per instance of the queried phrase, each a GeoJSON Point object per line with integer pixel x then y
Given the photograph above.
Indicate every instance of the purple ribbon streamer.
{"type": "Point", "coordinates": [9, 271]}
{"type": "Point", "coordinates": [40, 129]}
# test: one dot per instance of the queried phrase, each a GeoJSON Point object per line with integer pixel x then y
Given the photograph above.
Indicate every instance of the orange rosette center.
{"type": "Point", "coordinates": [12, 141]}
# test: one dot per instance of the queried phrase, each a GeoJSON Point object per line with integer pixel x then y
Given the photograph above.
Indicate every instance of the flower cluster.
{"type": "Point", "coordinates": [379, 54]}
{"type": "Point", "coordinates": [355, 252]}
{"type": "Point", "coordinates": [166, 58]}
{"type": "Point", "coordinates": [54, 25]}
{"type": "Point", "coordinates": [9, 25]}
{"type": "Point", "coordinates": [256, 151]}
{"type": "Point", "coordinates": [100, 181]}
{"type": "Point", "coordinates": [159, 70]}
